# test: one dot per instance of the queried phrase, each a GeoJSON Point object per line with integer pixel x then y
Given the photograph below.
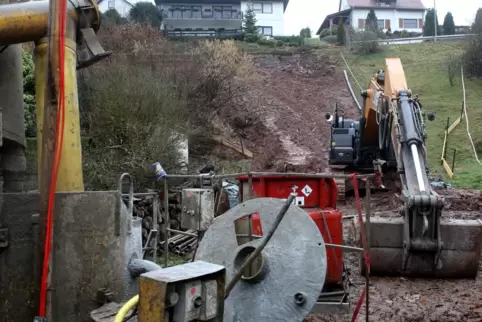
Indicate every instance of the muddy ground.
{"type": "Point", "coordinates": [296, 93]}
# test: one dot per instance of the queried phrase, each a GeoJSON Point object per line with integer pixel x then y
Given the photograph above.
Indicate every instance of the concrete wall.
{"type": "Point", "coordinates": [275, 20]}
{"type": "Point", "coordinates": [393, 16]}
{"type": "Point", "coordinates": [88, 254]}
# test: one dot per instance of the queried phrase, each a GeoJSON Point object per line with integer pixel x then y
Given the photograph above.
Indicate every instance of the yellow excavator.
{"type": "Point", "coordinates": [390, 136]}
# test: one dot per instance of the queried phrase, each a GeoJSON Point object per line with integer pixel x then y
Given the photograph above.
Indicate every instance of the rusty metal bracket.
{"type": "Point", "coordinates": [89, 50]}
{"type": "Point", "coordinates": [3, 237]}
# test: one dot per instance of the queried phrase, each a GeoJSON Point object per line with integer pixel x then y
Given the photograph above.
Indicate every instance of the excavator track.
{"type": "Point", "coordinates": [340, 183]}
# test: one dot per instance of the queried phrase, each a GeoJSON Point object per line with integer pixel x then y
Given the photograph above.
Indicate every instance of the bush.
{"type": "Point", "coordinates": [452, 67]}
{"type": "Point", "coordinates": [290, 40]}
{"type": "Point", "coordinates": [29, 94]}
{"type": "Point", "coordinates": [473, 52]}
{"type": "Point", "coordinates": [331, 39]}
{"type": "Point", "coordinates": [365, 42]}
{"type": "Point", "coordinates": [279, 43]}
{"type": "Point", "coordinates": [252, 38]}
{"type": "Point", "coordinates": [267, 42]}
{"type": "Point", "coordinates": [149, 95]}
{"type": "Point", "coordinates": [326, 32]}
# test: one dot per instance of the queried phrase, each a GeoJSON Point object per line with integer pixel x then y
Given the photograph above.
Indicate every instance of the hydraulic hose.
{"type": "Point", "coordinates": [126, 308]}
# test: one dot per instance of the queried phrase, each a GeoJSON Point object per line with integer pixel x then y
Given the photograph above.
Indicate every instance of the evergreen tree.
{"type": "Point", "coordinates": [340, 32]}
{"type": "Point", "coordinates": [249, 21]}
{"type": "Point", "coordinates": [477, 25]}
{"type": "Point", "coordinates": [112, 17]}
{"type": "Point", "coordinates": [449, 24]}
{"type": "Point", "coordinates": [305, 32]}
{"type": "Point", "coordinates": [428, 27]}
{"type": "Point", "coordinates": [371, 23]}
{"type": "Point", "coordinates": [146, 12]}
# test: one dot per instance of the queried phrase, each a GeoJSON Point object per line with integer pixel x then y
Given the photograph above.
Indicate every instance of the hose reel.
{"type": "Point", "coordinates": [292, 267]}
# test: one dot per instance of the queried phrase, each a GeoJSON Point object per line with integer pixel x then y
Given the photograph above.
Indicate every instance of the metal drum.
{"type": "Point", "coordinates": [291, 271]}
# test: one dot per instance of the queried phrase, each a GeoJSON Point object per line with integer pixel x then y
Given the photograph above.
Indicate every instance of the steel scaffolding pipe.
{"type": "Point", "coordinates": [28, 21]}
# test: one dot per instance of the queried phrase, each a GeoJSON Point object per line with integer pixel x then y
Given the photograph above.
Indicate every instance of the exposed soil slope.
{"type": "Point", "coordinates": [295, 94]}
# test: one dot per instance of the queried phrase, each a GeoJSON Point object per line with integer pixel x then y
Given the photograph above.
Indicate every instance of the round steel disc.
{"type": "Point", "coordinates": [295, 258]}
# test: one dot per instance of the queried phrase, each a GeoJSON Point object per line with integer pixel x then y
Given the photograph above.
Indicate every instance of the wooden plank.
{"type": "Point", "coordinates": [234, 146]}
{"type": "Point", "coordinates": [447, 168]}
{"type": "Point", "coordinates": [444, 146]}
{"type": "Point", "coordinates": [454, 124]}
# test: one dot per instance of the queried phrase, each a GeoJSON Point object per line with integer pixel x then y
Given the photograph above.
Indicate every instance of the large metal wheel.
{"type": "Point", "coordinates": [292, 270]}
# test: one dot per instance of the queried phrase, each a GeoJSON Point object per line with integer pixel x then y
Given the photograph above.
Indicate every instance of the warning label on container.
{"type": "Point", "coordinates": [307, 190]}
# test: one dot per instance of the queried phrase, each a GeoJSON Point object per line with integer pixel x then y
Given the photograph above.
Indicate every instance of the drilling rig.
{"type": "Point", "coordinates": [71, 255]}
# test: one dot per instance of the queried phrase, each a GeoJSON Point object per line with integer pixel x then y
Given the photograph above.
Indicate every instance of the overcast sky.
{"type": "Point", "coordinates": [310, 13]}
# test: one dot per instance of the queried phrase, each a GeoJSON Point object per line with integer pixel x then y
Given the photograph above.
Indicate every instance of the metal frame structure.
{"type": "Point", "coordinates": [330, 302]}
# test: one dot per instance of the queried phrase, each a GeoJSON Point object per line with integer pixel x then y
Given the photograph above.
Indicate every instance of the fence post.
{"type": "Point", "coordinates": [453, 162]}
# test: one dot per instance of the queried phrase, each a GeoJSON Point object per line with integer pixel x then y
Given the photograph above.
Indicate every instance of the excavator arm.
{"type": "Point", "coordinates": [395, 122]}
{"type": "Point", "coordinates": [391, 135]}
{"type": "Point", "coordinates": [422, 206]}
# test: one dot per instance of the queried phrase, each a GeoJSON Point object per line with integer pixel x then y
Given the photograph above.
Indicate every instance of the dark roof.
{"type": "Point", "coordinates": [335, 16]}
{"type": "Point", "coordinates": [397, 4]}
{"type": "Point", "coordinates": [158, 2]}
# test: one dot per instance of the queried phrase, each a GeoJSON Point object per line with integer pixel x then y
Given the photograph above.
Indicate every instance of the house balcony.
{"type": "Point", "coordinates": [178, 19]}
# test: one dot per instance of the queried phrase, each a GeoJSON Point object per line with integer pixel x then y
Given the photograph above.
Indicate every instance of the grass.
{"type": "Point", "coordinates": [425, 70]}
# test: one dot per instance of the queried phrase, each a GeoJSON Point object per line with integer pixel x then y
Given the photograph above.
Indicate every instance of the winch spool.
{"type": "Point", "coordinates": [291, 270]}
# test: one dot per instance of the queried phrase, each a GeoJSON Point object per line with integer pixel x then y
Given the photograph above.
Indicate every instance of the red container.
{"type": "Point", "coordinates": [316, 192]}
{"type": "Point", "coordinates": [319, 201]}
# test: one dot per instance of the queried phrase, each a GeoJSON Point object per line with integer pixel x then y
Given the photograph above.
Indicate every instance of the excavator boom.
{"type": "Point", "coordinates": [418, 241]}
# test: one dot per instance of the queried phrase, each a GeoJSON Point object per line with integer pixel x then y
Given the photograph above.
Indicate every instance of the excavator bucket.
{"type": "Point", "coordinates": [459, 256]}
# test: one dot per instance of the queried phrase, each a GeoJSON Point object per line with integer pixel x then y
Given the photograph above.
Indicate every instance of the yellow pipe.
{"type": "Point", "coordinates": [28, 21]}
{"type": "Point", "coordinates": [70, 176]}
{"type": "Point", "coordinates": [126, 308]}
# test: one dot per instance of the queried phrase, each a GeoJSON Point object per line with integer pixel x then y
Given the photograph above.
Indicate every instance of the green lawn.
{"type": "Point", "coordinates": [425, 69]}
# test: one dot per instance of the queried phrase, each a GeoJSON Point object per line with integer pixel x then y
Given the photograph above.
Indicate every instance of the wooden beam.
{"type": "Point", "coordinates": [234, 146]}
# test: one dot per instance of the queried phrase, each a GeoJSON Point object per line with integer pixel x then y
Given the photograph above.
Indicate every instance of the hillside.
{"type": "Point", "coordinates": [425, 67]}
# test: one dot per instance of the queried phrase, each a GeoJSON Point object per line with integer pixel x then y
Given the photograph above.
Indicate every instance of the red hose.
{"type": "Point", "coordinates": [364, 242]}
{"type": "Point", "coordinates": [57, 155]}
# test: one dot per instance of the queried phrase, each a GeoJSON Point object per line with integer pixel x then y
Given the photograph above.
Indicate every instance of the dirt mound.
{"type": "Point", "coordinates": [295, 94]}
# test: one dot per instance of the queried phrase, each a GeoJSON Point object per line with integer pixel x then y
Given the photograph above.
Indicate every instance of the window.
{"type": "Point", "coordinates": [177, 11]}
{"type": "Point", "coordinates": [227, 12]}
{"type": "Point", "coordinates": [262, 7]}
{"type": "Point", "coordinates": [266, 31]}
{"type": "Point", "coordinates": [111, 4]}
{"type": "Point", "coordinates": [410, 23]}
{"type": "Point", "coordinates": [381, 24]}
{"type": "Point", "coordinates": [196, 12]}
{"type": "Point", "coordinates": [186, 12]}
{"type": "Point", "coordinates": [361, 23]}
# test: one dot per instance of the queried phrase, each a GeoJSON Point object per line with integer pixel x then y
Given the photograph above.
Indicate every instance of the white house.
{"type": "Point", "coordinates": [200, 16]}
{"type": "Point", "coordinates": [398, 15]}
{"type": "Point", "coordinates": [122, 6]}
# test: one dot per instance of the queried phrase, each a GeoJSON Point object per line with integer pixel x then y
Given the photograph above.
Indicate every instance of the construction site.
{"type": "Point", "coordinates": [297, 197]}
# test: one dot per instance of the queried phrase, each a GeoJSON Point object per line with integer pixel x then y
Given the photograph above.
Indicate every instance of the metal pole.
{"type": "Point", "coordinates": [261, 246]}
{"type": "Point", "coordinates": [167, 222]}
{"type": "Point", "coordinates": [435, 22]}
{"type": "Point", "coordinates": [453, 161]}
{"type": "Point", "coordinates": [367, 215]}
{"type": "Point", "coordinates": [250, 217]}
{"type": "Point", "coordinates": [155, 225]}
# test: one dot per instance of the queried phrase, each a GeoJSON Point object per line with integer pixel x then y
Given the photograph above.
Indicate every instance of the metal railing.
{"type": "Point", "coordinates": [227, 33]}
{"type": "Point", "coordinates": [203, 16]}
{"type": "Point", "coordinates": [417, 39]}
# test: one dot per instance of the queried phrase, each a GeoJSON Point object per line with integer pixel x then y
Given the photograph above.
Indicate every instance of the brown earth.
{"type": "Point", "coordinates": [295, 93]}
